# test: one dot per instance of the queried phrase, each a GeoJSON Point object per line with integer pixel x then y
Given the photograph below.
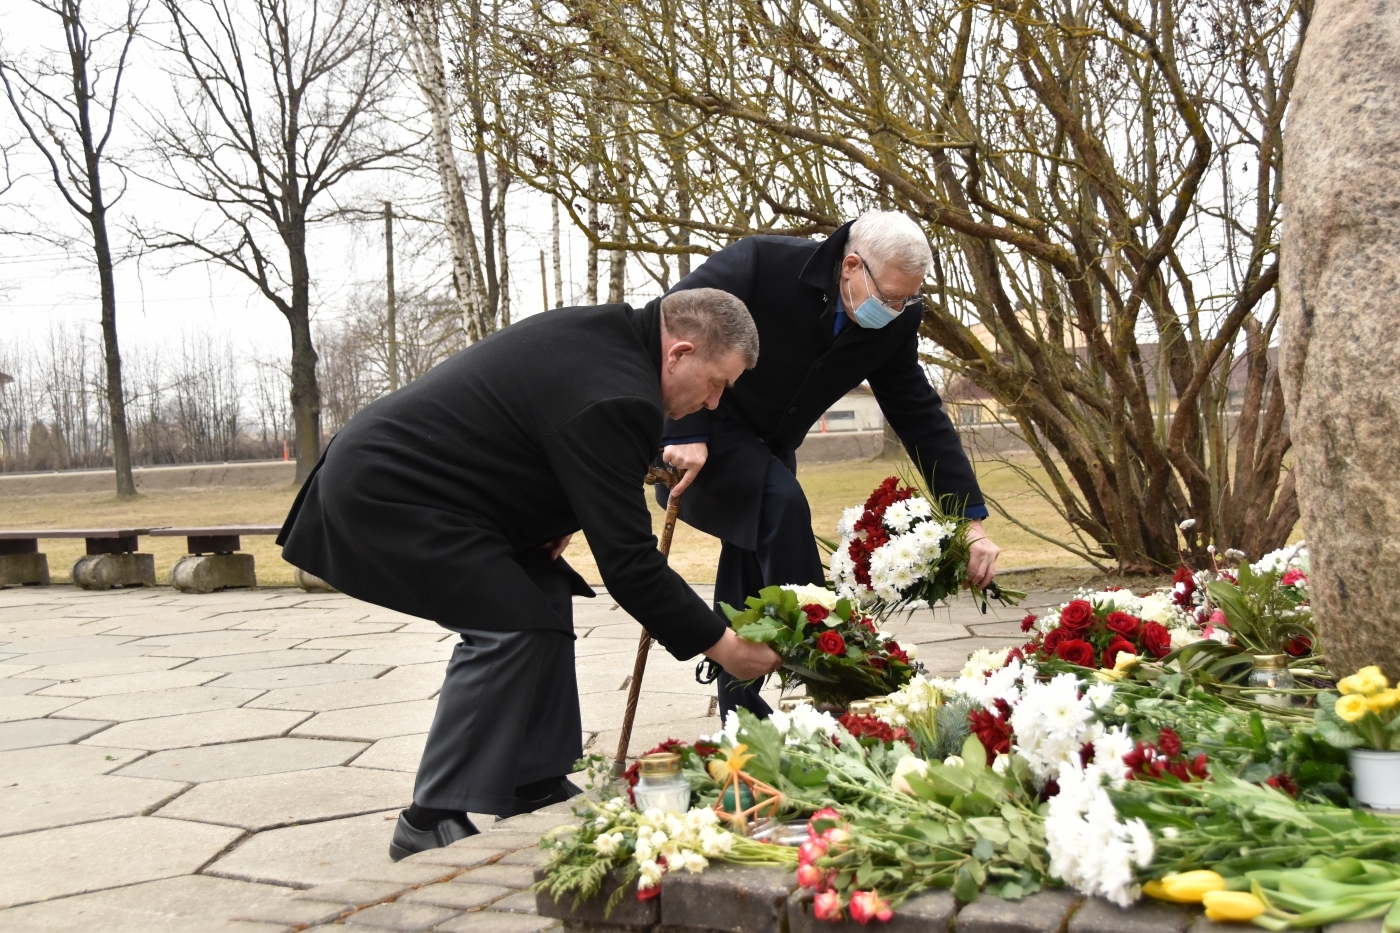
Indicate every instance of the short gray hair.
{"type": "Point", "coordinates": [891, 237]}
{"type": "Point", "coordinates": [714, 320]}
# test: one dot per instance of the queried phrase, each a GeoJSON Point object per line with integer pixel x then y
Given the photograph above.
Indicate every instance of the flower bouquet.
{"type": "Point", "coordinates": [900, 550]}
{"type": "Point", "coordinates": [827, 645]}
{"type": "Point", "coordinates": [1094, 630]}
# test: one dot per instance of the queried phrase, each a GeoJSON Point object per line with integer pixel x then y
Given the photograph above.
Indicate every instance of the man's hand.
{"type": "Point", "coordinates": [744, 660]}
{"type": "Point", "coordinates": [687, 457]}
{"type": "Point", "coordinates": [982, 556]}
{"type": "Point", "coordinates": [556, 547]}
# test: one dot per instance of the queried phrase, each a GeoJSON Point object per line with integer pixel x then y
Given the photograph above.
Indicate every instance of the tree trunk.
{"type": "Point", "coordinates": [116, 396]}
{"type": "Point", "coordinates": [306, 391]}
{"type": "Point", "coordinates": [558, 263]}
{"type": "Point", "coordinates": [1341, 348]}
{"type": "Point", "coordinates": [595, 177]}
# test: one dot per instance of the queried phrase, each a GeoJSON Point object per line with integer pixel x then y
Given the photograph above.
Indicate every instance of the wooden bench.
{"type": "Point", "coordinates": [215, 561]}
{"type": "Point", "coordinates": [112, 558]}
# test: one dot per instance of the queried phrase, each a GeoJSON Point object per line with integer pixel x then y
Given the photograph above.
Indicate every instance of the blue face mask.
{"type": "Point", "coordinates": [872, 314]}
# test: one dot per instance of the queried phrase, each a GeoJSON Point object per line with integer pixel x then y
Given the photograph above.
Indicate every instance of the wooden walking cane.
{"type": "Point", "coordinates": [669, 476]}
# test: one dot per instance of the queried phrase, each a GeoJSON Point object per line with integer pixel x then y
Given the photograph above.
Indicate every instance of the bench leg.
{"type": "Point", "coordinates": [205, 573]}
{"type": "Point", "coordinates": [24, 569]}
{"type": "Point", "coordinates": [105, 571]}
{"type": "Point", "coordinates": [310, 582]}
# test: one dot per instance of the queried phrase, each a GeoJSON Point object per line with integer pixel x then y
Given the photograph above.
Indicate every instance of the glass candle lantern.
{"type": "Point", "coordinates": [1270, 674]}
{"type": "Point", "coordinates": [660, 784]}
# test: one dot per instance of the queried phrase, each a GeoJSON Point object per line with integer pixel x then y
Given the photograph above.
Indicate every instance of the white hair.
{"type": "Point", "coordinates": [891, 237]}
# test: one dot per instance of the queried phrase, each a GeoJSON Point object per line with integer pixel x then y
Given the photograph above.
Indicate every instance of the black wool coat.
{"type": "Point", "coordinates": [790, 288]}
{"type": "Point", "coordinates": [431, 499]}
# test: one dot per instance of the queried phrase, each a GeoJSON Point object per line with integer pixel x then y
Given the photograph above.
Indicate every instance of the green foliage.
{"type": "Point", "coordinates": [1263, 616]}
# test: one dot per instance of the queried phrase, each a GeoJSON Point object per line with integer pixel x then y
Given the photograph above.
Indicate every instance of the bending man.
{"type": "Point", "coordinates": [454, 498]}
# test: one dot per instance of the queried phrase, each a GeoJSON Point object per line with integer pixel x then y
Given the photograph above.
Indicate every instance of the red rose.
{"type": "Point", "coordinates": [1183, 586]}
{"type": "Point", "coordinates": [1293, 577]}
{"type": "Point", "coordinates": [831, 643]}
{"type": "Point", "coordinates": [1076, 651]}
{"type": "Point", "coordinates": [1115, 647]}
{"type": "Point", "coordinates": [1077, 615]}
{"type": "Point", "coordinates": [1156, 639]}
{"type": "Point", "coordinates": [1028, 622]}
{"type": "Point", "coordinates": [1054, 638]}
{"type": "Point", "coordinates": [1298, 645]}
{"type": "Point", "coordinates": [816, 613]}
{"type": "Point", "coordinates": [896, 651]}
{"type": "Point", "coordinates": [1123, 624]}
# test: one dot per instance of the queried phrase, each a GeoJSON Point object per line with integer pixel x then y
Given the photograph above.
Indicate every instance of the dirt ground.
{"type": "Point", "coordinates": [830, 487]}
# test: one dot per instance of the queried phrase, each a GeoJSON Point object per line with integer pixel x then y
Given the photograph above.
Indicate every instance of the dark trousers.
{"type": "Point", "coordinates": [787, 554]}
{"type": "Point", "coordinates": [508, 714]}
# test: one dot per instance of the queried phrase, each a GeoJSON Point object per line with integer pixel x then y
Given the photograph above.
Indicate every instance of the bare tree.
{"type": "Point", "coordinates": [1101, 183]}
{"type": "Point", "coordinates": [67, 104]}
{"type": "Point", "coordinates": [278, 102]}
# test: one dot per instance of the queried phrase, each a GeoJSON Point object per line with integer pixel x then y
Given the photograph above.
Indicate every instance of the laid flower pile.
{"type": "Point", "coordinates": [901, 550]}
{"type": "Point", "coordinates": [1094, 629]}
{"type": "Point", "coordinates": [827, 644]}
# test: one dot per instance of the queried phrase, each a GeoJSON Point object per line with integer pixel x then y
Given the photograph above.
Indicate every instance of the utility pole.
{"type": "Point", "coordinates": [391, 309]}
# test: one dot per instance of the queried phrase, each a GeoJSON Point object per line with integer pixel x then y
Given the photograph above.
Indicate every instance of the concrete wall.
{"type": "Point", "coordinates": [149, 479]}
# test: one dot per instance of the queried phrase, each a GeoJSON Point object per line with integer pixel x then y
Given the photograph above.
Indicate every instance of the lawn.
{"type": "Point", "coordinates": [830, 488]}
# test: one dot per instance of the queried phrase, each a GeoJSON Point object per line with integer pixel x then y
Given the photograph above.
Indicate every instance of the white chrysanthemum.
{"type": "Point", "coordinates": [919, 507]}
{"type": "Point", "coordinates": [1051, 722]}
{"type": "Point", "coordinates": [1089, 847]}
{"type": "Point", "coordinates": [897, 517]}
{"type": "Point", "coordinates": [1158, 607]}
{"type": "Point", "coordinates": [846, 525]}
{"type": "Point", "coordinates": [1284, 558]}
{"type": "Point", "coordinates": [810, 594]}
{"type": "Point", "coordinates": [1110, 749]}
{"type": "Point", "coordinates": [983, 660]}
{"type": "Point", "coordinates": [905, 551]}
{"type": "Point", "coordinates": [1099, 695]}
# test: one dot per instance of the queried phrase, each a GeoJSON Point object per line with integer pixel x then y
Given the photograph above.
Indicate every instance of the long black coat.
{"type": "Point", "coordinates": [790, 288]}
{"type": "Point", "coordinates": [431, 498]}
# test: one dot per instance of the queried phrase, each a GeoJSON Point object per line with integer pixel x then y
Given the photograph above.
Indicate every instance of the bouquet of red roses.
{"type": "Point", "coordinates": [827, 645]}
{"type": "Point", "coordinates": [1094, 634]}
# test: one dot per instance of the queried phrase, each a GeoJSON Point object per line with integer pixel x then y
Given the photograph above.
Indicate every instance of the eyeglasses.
{"type": "Point", "coordinates": [894, 304]}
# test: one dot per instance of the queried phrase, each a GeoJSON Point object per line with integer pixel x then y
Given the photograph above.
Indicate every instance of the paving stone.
{"type": "Point", "coordinates": [492, 922]}
{"type": "Point", "coordinates": [17, 708]}
{"type": "Point", "coordinates": [268, 801]}
{"type": "Point", "coordinates": [528, 857]}
{"type": "Point", "coordinates": [217, 645]}
{"type": "Point", "coordinates": [286, 910]}
{"type": "Point", "coordinates": [353, 893]}
{"type": "Point", "coordinates": [27, 804]}
{"type": "Point", "coordinates": [728, 897]}
{"type": "Point", "coordinates": [79, 652]}
{"type": "Point", "coordinates": [114, 684]}
{"type": "Point", "coordinates": [456, 856]}
{"type": "Point", "coordinates": [408, 918]}
{"type": "Point", "coordinates": [1097, 915]}
{"type": "Point", "coordinates": [262, 660]}
{"type": "Point", "coordinates": [18, 686]}
{"type": "Point", "coordinates": [344, 695]}
{"type": "Point", "coordinates": [400, 753]}
{"type": "Point", "coordinates": [408, 654]}
{"type": "Point", "coordinates": [75, 859]}
{"type": "Point", "coordinates": [29, 733]}
{"type": "Point", "coordinates": [243, 759]}
{"type": "Point", "coordinates": [371, 723]}
{"type": "Point", "coordinates": [152, 704]}
{"type": "Point", "coordinates": [923, 913]}
{"type": "Point", "coordinates": [192, 902]}
{"type": "Point", "coordinates": [408, 873]}
{"type": "Point", "coordinates": [305, 675]}
{"type": "Point", "coordinates": [209, 728]}
{"type": "Point", "coordinates": [1040, 913]}
{"type": "Point", "coordinates": [147, 627]}
{"type": "Point", "coordinates": [458, 896]}
{"type": "Point", "coordinates": [360, 641]}
{"type": "Point", "coordinates": [521, 902]}
{"type": "Point", "coordinates": [510, 876]}
{"type": "Point", "coordinates": [536, 823]}
{"type": "Point", "coordinates": [316, 853]}
{"type": "Point", "coordinates": [201, 640]}
{"type": "Point", "coordinates": [53, 764]}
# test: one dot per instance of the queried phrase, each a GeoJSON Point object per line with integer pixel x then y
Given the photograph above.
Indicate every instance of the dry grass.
{"type": "Point", "coordinates": [830, 488]}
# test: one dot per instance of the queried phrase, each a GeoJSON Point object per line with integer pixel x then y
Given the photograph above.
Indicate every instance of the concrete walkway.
{"type": "Point", "coordinates": [171, 761]}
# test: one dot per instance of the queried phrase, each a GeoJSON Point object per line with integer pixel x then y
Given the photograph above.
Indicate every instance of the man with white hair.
{"type": "Point", "coordinates": [830, 315]}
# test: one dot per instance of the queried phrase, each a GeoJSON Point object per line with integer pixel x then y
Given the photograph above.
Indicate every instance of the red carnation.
{"type": "Point", "coordinates": [1076, 651]}
{"type": "Point", "coordinates": [1169, 742]}
{"type": "Point", "coordinates": [1293, 576]}
{"type": "Point", "coordinates": [1284, 783]}
{"type": "Point", "coordinates": [1116, 647]}
{"type": "Point", "coordinates": [1123, 624]}
{"type": "Point", "coordinates": [1077, 615]}
{"type": "Point", "coordinates": [1298, 645]}
{"type": "Point", "coordinates": [1183, 586]}
{"type": "Point", "coordinates": [1028, 622]}
{"type": "Point", "coordinates": [1199, 767]}
{"type": "Point", "coordinates": [831, 643]}
{"type": "Point", "coordinates": [1156, 639]}
{"type": "Point", "coordinates": [992, 729]}
{"type": "Point", "coordinates": [816, 613]}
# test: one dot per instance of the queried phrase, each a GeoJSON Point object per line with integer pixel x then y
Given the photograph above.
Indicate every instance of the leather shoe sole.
{"type": "Point", "coordinates": [564, 791]}
{"type": "Point", "coordinates": [409, 839]}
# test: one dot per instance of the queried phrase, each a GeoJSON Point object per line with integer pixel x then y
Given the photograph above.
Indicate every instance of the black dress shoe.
{"type": "Point", "coordinates": [560, 793]}
{"type": "Point", "coordinates": [409, 839]}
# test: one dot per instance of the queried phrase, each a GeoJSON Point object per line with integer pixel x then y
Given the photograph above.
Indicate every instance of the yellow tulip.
{"type": "Point", "coordinates": [1367, 681]}
{"type": "Point", "coordinates": [1232, 905]}
{"type": "Point", "coordinates": [1352, 707]}
{"type": "Point", "coordinates": [1189, 887]}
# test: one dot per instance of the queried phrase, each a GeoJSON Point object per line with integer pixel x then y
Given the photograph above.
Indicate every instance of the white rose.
{"type": "Point", "coordinates": [908, 765]}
